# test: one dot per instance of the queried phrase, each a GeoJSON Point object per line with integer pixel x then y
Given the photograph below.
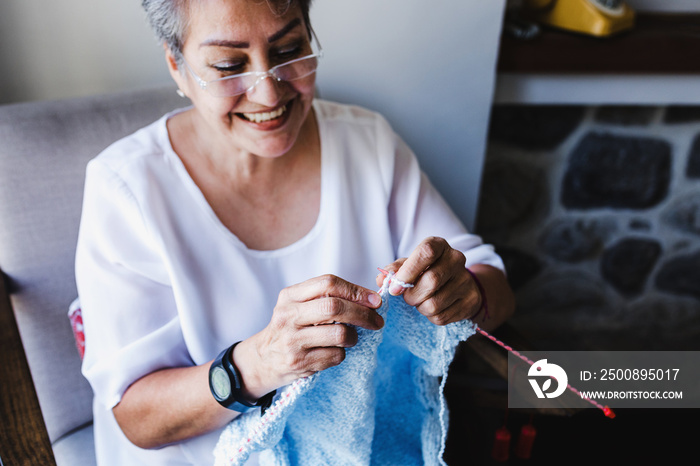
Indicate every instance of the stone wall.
{"type": "Point", "coordinates": [596, 212]}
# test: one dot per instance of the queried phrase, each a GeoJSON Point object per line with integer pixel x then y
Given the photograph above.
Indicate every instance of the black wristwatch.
{"type": "Point", "coordinates": [225, 385]}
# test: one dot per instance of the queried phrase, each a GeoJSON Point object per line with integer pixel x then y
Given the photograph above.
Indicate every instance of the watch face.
{"type": "Point", "coordinates": [220, 383]}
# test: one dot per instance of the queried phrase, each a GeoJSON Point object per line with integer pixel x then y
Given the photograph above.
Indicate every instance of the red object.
{"type": "Point", "coordinates": [609, 412]}
{"type": "Point", "coordinates": [76, 321]}
{"type": "Point", "coordinates": [523, 448]}
{"type": "Point", "coordinates": [501, 444]}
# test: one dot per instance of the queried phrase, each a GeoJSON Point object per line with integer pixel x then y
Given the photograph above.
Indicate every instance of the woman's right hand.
{"type": "Point", "coordinates": [308, 333]}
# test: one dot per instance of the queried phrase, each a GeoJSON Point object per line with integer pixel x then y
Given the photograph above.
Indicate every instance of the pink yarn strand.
{"type": "Point", "coordinates": [606, 410]}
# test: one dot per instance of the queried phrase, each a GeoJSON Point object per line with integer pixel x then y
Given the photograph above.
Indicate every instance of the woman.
{"type": "Point", "coordinates": [255, 216]}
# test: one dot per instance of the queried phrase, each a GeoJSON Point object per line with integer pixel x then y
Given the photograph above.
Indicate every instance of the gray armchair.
{"type": "Point", "coordinates": [44, 147]}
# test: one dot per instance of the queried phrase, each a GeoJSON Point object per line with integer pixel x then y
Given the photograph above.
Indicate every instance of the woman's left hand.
{"type": "Point", "coordinates": [443, 290]}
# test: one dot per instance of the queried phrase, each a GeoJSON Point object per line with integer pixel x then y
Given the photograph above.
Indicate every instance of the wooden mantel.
{"type": "Point", "coordinates": [655, 63]}
{"type": "Point", "coordinates": [658, 44]}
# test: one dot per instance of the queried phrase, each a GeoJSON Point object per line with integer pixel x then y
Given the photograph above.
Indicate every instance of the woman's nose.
{"type": "Point", "coordinates": [266, 91]}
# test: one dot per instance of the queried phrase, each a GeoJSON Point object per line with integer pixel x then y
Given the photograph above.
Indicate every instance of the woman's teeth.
{"type": "Point", "coordinates": [266, 116]}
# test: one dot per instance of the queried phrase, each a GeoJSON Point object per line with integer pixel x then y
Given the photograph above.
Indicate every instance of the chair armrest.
{"type": "Point", "coordinates": [23, 436]}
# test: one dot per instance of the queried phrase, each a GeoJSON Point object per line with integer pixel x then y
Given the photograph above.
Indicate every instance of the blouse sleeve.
{"type": "Point", "coordinates": [417, 211]}
{"type": "Point", "coordinates": [130, 318]}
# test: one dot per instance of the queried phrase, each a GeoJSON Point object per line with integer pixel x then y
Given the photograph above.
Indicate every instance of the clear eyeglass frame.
{"type": "Point", "coordinates": [237, 84]}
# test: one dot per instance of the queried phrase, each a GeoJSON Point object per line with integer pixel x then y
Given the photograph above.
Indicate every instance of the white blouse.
{"type": "Point", "coordinates": [163, 283]}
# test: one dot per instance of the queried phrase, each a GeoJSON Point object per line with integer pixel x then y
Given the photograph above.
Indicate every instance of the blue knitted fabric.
{"type": "Point", "coordinates": [383, 405]}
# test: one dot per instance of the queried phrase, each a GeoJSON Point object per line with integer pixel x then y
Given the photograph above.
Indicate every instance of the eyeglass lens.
{"type": "Point", "coordinates": [290, 71]}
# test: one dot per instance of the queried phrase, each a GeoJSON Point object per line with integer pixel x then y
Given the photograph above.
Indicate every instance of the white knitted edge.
{"type": "Point", "coordinates": [391, 278]}
{"type": "Point", "coordinates": [445, 347]}
{"type": "Point", "coordinates": [442, 417]}
{"type": "Point", "coordinates": [283, 403]}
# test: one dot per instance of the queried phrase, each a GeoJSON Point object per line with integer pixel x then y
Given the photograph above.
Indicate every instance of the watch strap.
{"type": "Point", "coordinates": [236, 401]}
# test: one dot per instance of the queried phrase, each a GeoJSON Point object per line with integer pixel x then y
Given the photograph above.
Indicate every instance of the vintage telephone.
{"type": "Point", "coordinates": [593, 17]}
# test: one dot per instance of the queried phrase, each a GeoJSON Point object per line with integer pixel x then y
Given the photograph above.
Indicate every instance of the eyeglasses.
{"type": "Point", "coordinates": [237, 84]}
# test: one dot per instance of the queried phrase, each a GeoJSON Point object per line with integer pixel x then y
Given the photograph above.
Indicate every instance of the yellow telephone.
{"type": "Point", "coordinates": [593, 17]}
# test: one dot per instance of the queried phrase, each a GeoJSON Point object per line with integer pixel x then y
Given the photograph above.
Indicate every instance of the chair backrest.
{"type": "Point", "coordinates": [44, 148]}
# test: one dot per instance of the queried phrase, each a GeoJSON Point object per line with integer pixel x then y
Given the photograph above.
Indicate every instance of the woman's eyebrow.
{"type": "Point", "coordinates": [244, 45]}
{"type": "Point", "coordinates": [281, 33]}
{"type": "Point", "coordinates": [225, 43]}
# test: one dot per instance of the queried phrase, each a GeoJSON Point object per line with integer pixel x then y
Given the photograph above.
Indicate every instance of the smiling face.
{"type": "Point", "coordinates": [229, 37]}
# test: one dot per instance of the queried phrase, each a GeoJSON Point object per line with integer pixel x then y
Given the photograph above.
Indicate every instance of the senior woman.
{"type": "Point", "coordinates": [245, 223]}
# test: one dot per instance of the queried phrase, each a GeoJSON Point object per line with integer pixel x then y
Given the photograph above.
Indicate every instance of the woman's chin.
{"type": "Point", "coordinates": [269, 147]}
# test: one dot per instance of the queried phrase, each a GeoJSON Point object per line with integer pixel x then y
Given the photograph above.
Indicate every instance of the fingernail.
{"type": "Point", "coordinates": [379, 321]}
{"type": "Point", "coordinates": [395, 289]}
{"type": "Point", "coordinates": [375, 299]}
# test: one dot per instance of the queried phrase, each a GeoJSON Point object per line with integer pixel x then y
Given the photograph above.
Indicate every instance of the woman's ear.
{"type": "Point", "coordinates": [170, 58]}
{"type": "Point", "coordinates": [174, 69]}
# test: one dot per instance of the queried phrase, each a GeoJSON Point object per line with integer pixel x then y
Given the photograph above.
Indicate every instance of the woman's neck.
{"type": "Point", "coordinates": [267, 203]}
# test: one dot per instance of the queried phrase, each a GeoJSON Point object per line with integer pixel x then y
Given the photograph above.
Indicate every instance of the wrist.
{"type": "Point", "coordinates": [484, 305]}
{"type": "Point", "coordinates": [245, 358]}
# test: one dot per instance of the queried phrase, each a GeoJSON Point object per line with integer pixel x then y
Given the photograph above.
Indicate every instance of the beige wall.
{"type": "Point", "coordinates": [55, 49]}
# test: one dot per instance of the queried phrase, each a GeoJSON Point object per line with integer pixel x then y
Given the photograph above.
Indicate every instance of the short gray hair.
{"type": "Point", "coordinates": [170, 21]}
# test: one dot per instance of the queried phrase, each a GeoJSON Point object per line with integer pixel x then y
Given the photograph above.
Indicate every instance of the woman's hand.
{"type": "Point", "coordinates": [443, 290]}
{"type": "Point", "coordinates": [309, 331]}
